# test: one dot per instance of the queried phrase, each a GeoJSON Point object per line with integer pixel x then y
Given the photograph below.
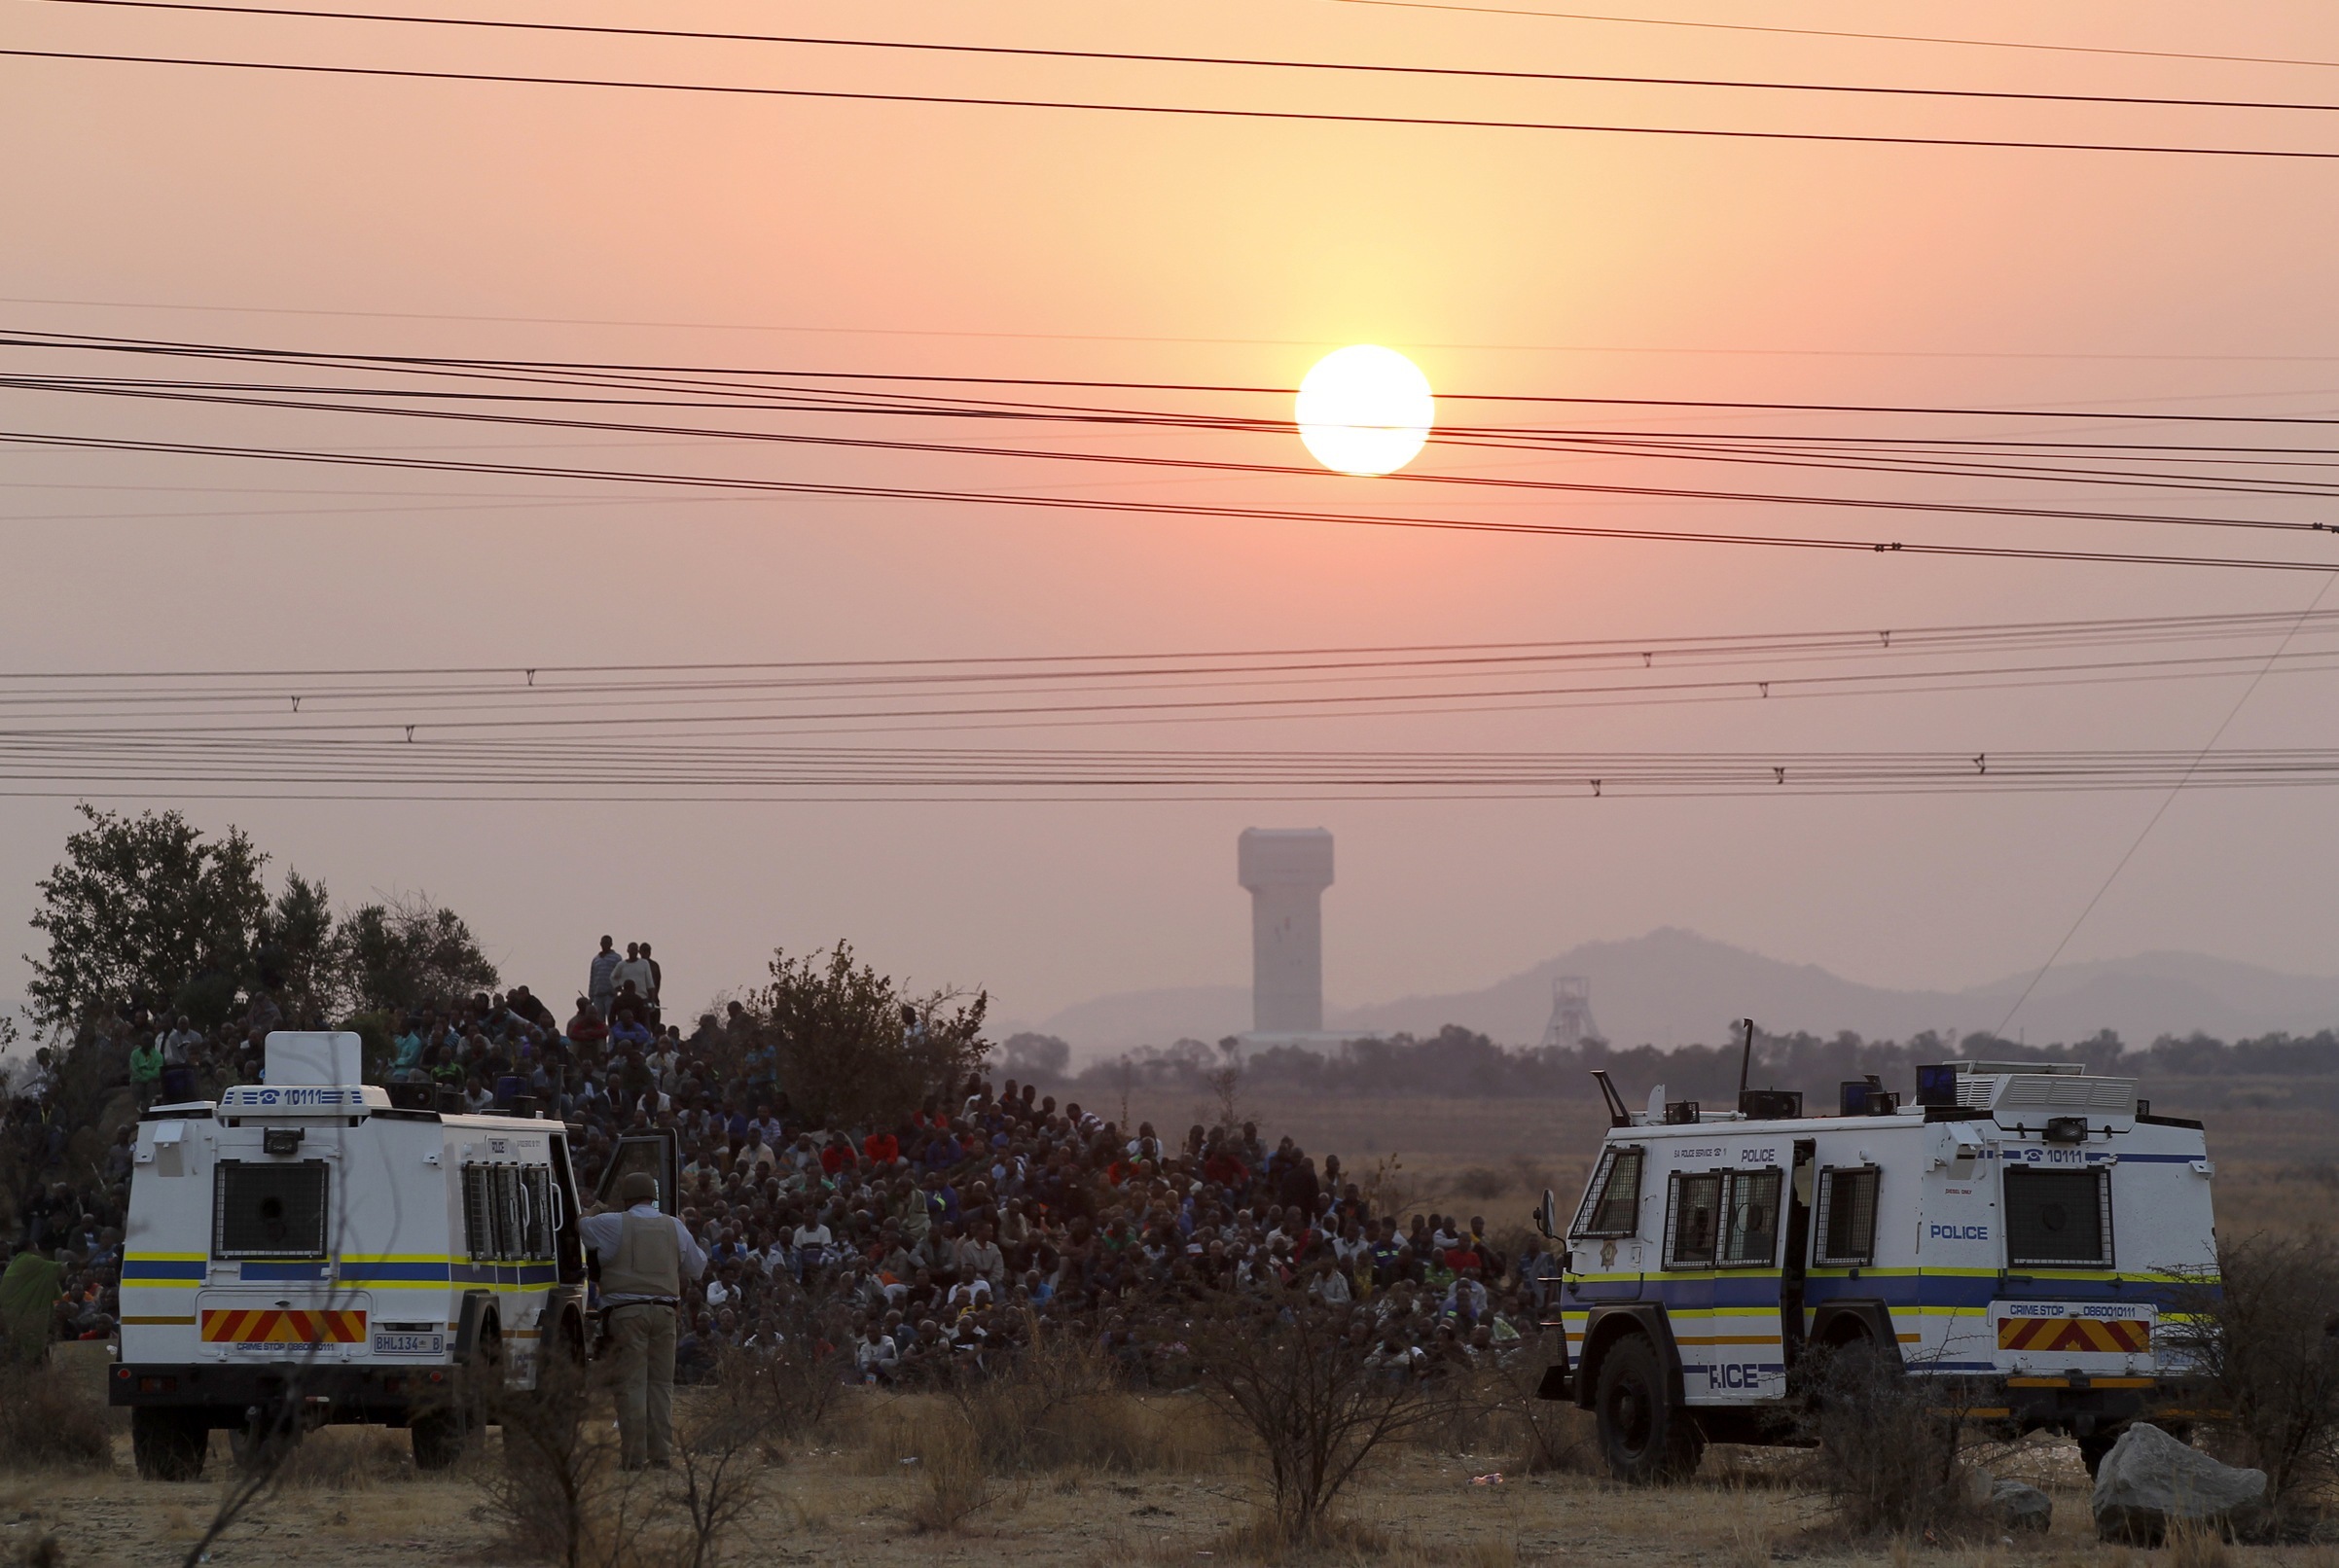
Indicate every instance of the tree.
{"type": "Point", "coordinates": [854, 1047]}
{"type": "Point", "coordinates": [295, 957]}
{"type": "Point", "coordinates": [1036, 1055]}
{"type": "Point", "coordinates": [401, 954]}
{"type": "Point", "coordinates": [1299, 1381]}
{"type": "Point", "coordinates": [146, 910]}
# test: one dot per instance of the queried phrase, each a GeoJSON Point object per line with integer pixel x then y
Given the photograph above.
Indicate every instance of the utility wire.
{"type": "Point", "coordinates": [1159, 509]}
{"type": "Point", "coordinates": [32, 338]}
{"type": "Point", "coordinates": [1120, 57]}
{"type": "Point", "coordinates": [2290, 489]}
{"type": "Point", "coordinates": [2153, 821]}
{"type": "Point", "coordinates": [1196, 111]}
{"type": "Point", "coordinates": [1835, 32]}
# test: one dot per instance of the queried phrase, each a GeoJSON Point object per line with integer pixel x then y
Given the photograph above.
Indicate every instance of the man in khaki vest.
{"type": "Point", "coordinates": [645, 1257]}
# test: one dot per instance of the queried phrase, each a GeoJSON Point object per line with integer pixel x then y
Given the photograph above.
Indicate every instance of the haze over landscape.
{"type": "Point", "coordinates": [1314, 520]}
{"type": "Point", "coordinates": [372, 215]}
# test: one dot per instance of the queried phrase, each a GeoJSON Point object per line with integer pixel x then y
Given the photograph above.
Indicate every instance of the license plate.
{"type": "Point", "coordinates": [410, 1345]}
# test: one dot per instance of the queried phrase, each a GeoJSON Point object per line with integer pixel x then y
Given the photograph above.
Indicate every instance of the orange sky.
{"type": "Point", "coordinates": [464, 218]}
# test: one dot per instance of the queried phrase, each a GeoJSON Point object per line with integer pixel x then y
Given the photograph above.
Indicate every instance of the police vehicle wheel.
{"type": "Point", "coordinates": [438, 1436]}
{"type": "Point", "coordinates": [2094, 1446]}
{"type": "Point", "coordinates": [168, 1444]}
{"type": "Point", "coordinates": [1644, 1435]}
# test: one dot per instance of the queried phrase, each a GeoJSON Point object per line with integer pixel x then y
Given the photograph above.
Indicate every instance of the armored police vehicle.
{"type": "Point", "coordinates": [2018, 1232]}
{"type": "Point", "coordinates": [318, 1249]}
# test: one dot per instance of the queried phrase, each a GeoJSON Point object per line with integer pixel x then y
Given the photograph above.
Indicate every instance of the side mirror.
{"type": "Point", "coordinates": [1547, 1215]}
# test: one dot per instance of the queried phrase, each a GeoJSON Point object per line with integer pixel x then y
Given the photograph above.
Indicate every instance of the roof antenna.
{"type": "Point", "coordinates": [1745, 1061]}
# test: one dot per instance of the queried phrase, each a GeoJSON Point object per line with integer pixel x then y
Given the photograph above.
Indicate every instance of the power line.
{"type": "Point", "coordinates": [1292, 115]}
{"type": "Point", "coordinates": [1253, 62]}
{"type": "Point", "coordinates": [2216, 484]}
{"type": "Point", "coordinates": [103, 344]}
{"type": "Point", "coordinates": [1834, 32]}
{"type": "Point", "coordinates": [1160, 508]}
{"type": "Point", "coordinates": [809, 330]}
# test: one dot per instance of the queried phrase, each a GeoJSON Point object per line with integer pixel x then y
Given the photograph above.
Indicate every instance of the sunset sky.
{"type": "Point", "coordinates": [482, 220]}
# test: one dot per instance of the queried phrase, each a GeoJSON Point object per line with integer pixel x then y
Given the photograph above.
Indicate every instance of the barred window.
{"type": "Point", "coordinates": [478, 1214]}
{"type": "Point", "coordinates": [270, 1210]}
{"type": "Point", "coordinates": [2058, 1219]}
{"type": "Point", "coordinates": [1751, 1220]}
{"type": "Point", "coordinates": [1845, 1222]}
{"type": "Point", "coordinates": [536, 1203]}
{"type": "Point", "coordinates": [1690, 1220]}
{"type": "Point", "coordinates": [1612, 1202]}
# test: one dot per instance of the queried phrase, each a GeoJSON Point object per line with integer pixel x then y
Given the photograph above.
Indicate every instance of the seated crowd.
{"type": "Point", "coordinates": [916, 1250]}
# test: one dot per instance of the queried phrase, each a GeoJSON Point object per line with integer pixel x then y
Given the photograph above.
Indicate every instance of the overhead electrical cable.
{"type": "Point", "coordinates": [1191, 110]}
{"type": "Point", "coordinates": [744, 376]}
{"type": "Point", "coordinates": [1190, 464]}
{"type": "Point", "coordinates": [1839, 32]}
{"type": "Point", "coordinates": [1241, 61]}
{"type": "Point", "coordinates": [1166, 509]}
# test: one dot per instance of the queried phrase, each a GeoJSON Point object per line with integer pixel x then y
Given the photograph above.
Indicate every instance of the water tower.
{"type": "Point", "coordinates": [1286, 870]}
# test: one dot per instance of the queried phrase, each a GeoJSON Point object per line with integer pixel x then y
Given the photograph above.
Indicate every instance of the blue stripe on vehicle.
{"type": "Point", "coordinates": [360, 1273]}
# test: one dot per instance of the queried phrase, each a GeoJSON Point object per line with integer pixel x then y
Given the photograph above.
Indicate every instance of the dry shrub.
{"type": "Point", "coordinates": [1064, 1405]}
{"type": "Point", "coordinates": [1481, 1182]}
{"type": "Point", "coordinates": [2261, 1336]}
{"type": "Point", "coordinates": [42, 1550]}
{"type": "Point", "coordinates": [952, 1483]}
{"type": "Point", "coordinates": [2195, 1543]}
{"type": "Point", "coordinates": [346, 1459]}
{"type": "Point", "coordinates": [1498, 1410]}
{"type": "Point", "coordinates": [1267, 1535]}
{"type": "Point", "coordinates": [1283, 1370]}
{"type": "Point", "coordinates": [49, 1420]}
{"type": "Point", "coordinates": [1890, 1452]}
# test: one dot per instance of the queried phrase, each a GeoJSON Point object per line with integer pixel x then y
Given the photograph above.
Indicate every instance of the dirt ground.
{"type": "Point", "coordinates": [355, 1502]}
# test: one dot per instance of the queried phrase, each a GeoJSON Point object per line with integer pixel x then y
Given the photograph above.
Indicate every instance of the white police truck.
{"type": "Point", "coordinates": [2019, 1231]}
{"type": "Point", "coordinates": [314, 1248]}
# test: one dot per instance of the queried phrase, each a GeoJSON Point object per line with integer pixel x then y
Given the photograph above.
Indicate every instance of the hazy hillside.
{"type": "Point", "coordinates": [1674, 987]}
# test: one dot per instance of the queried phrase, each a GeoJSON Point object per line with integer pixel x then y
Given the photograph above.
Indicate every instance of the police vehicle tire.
{"type": "Point", "coordinates": [438, 1436]}
{"type": "Point", "coordinates": [2095, 1446]}
{"type": "Point", "coordinates": [167, 1444]}
{"type": "Point", "coordinates": [1643, 1435]}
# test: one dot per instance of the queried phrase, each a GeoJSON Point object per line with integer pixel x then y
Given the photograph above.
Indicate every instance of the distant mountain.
{"type": "Point", "coordinates": [1126, 1020]}
{"type": "Point", "coordinates": [1675, 987]}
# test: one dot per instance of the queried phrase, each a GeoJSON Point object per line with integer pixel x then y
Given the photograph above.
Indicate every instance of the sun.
{"type": "Point", "coordinates": [1365, 409]}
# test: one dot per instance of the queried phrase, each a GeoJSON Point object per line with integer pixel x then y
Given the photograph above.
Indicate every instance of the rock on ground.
{"type": "Point", "coordinates": [2150, 1481]}
{"type": "Point", "coordinates": [2020, 1507]}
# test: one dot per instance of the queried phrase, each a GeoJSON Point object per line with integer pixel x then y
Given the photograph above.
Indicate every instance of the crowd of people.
{"type": "Point", "coordinates": [919, 1248]}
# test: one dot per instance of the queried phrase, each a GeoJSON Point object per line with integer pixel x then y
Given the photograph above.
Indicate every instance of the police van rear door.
{"type": "Point", "coordinates": [650, 1152]}
{"type": "Point", "coordinates": [2061, 1312]}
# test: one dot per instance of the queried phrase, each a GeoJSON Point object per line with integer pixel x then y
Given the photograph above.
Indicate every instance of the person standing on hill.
{"type": "Point", "coordinates": [635, 970]}
{"type": "Point", "coordinates": [30, 1289]}
{"type": "Point", "coordinates": [645, 1256]}
{"type": "Point", "coordinates": [657, 983]}
{"type": "Point", "coordinates": [601, 986]}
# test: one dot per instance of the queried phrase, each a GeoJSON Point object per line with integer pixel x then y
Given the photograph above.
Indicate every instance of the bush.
{"type": "Point", "coordinates": [2262, 1335]}
{"type": "Point", "coordinates": [1891, 1455]}
{"type": "Point", "coordinates": [49, 1420]}
{"type": "Point", "coordinates": [1284, 1372]}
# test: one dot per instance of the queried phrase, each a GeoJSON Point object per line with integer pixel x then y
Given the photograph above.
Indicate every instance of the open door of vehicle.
{"type": "Point", "coordinates": [650, 1151]}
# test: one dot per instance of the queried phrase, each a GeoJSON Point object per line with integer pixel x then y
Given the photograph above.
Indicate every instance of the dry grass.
{"type": "Point", "coordinates": [2194, 1545]}
{"type": "Point", "coordinates": [347, 1459]}
{"type": "Point", "coordinates": [952, 1482]}
{"type": "Point", "coordinates": [51, 1420]}
{"type": "Point", "coordinates": [1108, 1429]}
